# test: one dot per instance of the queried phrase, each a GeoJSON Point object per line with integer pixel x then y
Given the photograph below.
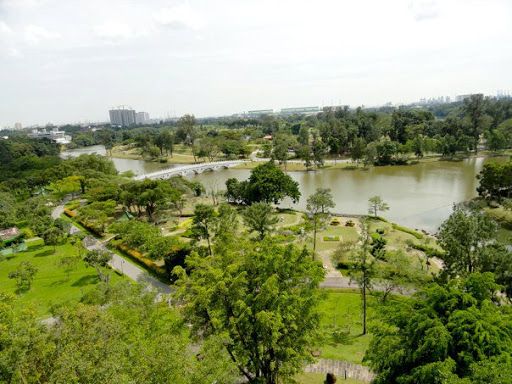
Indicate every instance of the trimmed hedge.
{"type": "Point", "coordinates": [334, 238]}
{"type": "Point", "coordinates": [379, 218]}
{"type": "Point", "coordinates": [428, 250]}
{"type": "Point", "coordinates": [407, 230]}
{"type": "Point", "coordinates": [137, 256]}
{"type": "Point", "coordinates": [89, 226]}
{"type": "Point", "coordinates": [69, 210]}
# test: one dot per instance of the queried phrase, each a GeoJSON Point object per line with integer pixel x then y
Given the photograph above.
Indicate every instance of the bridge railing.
{"type": "Point", "coordinates": [190, 167]}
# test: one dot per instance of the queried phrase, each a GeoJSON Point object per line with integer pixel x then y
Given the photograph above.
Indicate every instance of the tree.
{"type": "Point", "coordinates": [318, 150]}
{"type": "Point", "coordinates": [259, 218]}
{"type": "Point", "coordinates": [474, 108]}
{"type": "Point", "coordinates": [269, 184]}
{"type": "Point", "coordinates": [262, 297]}
{"type": "Point", "coordinates": [417, 146]}
{"type": "Point", "coordinates": [99, 259]}
{"type": "Point", "coordinates": [358, 149]}
{"type": "Point", "coordinates": [203, 220]}
{"type": "Point", "coordinates": [186, 132]}
{"type": "Point", "coordinates": [54, 236]}
{"type": "Point", "coordinates": [316, 204]}
{"type": "Point", "coordinates": [164, 140]}
{"type": "Point", "coordinates": [363, 269]}
{"type": "Point", "coordinates": [443, 334]}
{"type": "Point", "coordinates": [115, 334]}
{"type": "Point", "coordinates": [376, 204]}
{"type": "Point", "coordinates": [465, 237]}
{"type": "Point", "coordinates": [399, 274]}
{"type": "Point", "coordinates": [68, 263]}
{"type": "Point", "coordinates": [370, 154]}
{"type": "Point", "coordinates": [304, 153]}
{"type": "Point", "coordinates": [495, 180]}
{"type": "Point", "coordinates": [24, 275]}
{"type": "Point", "coordinates": [303, 138]}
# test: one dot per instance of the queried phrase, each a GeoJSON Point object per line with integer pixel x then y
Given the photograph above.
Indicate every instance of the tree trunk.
{"type": "Point", "coordinates": [314, 238]}
{"type": "Point", "coordinates": [364, 303]}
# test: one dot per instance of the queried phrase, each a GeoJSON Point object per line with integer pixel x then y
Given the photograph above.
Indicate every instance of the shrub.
{"type": "Point", "coordinates": [407, 230]}
{"type": "Point", "coordinates": [335, 221]}
{"type": "Point", "coordinates": [431, 252]}
{"type": "Point", "coordinates": [137, 256]}
{"type": "Point", "coordinates": [350, 223]}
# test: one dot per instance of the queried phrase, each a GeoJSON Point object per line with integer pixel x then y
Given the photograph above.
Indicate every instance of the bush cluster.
{"type": "Point", "coordinates": [137, 256]}
{"type": "Point", "coordinates": [407, 230]}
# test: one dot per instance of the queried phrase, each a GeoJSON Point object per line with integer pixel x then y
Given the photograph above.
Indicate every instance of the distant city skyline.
{"type": "Point", "coordinates": [70, 61]}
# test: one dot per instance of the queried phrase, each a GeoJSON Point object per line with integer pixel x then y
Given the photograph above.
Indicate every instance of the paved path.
{"type": "Point", "coordinates": [342, 369]}
{"type": "Point", "coordinates": [127, 268]}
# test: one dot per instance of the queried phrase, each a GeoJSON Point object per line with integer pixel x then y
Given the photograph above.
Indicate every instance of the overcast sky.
{"type": "Point", "coordinates": [71, 60]}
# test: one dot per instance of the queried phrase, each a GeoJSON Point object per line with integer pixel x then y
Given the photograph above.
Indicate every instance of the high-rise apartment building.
{"type": "Point", "coordinates": [18, 126]}
{"type": "Point", "coordinates": [122, 116]}
{"type": "Point", "coordinates": [142, 117]}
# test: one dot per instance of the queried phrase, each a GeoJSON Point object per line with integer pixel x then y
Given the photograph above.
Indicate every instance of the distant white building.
{"type": "Point", "coordinates": [122, 116]}
{"type": "Point", "coordinates": [142, 118]}
{"type": "Point", "coordinates": [18, 126]}
{"type": "Point", "coordinates": [54, 135]}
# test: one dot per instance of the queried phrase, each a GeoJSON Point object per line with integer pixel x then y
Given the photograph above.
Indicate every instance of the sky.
{"type": "Point", "coordinates": [67, 61]}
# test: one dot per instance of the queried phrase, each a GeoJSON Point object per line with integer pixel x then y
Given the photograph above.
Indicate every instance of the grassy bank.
{"type": "Point", "coordinates": [51, 285]}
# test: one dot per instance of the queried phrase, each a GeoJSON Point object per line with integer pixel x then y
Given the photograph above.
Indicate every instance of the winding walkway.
{"type": "Point", "coordinates": [119, 263]}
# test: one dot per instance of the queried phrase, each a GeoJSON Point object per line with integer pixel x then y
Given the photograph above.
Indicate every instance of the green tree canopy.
{"type": "Point", "coordinates": [443, 334]}
{"type": "Point", "coordinates": [259, 218]}
{"type": "Point", "coordinates": [262, 297]}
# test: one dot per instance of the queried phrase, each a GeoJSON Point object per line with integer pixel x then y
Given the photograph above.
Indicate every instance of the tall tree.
{"type": "Point", "coordinates": [376, 204]}
{"type": "Point", "coordinates": [270, 184]}
{"type": "Point", "coordinates": [99, 259]}
{"type": "Point", "coordinates": [474, 107]}
{"type": "Point", "coordinates": [442, 335]}
{"type": "Point", "coordinates": [259, 218]}
{"type": "Point", "coordinates": [263, 298]}
{"type": "Point", "coordinates": [317, 204]}
{"type": "Point", "coordinates": [363, 270]}
{"type": "Point", "coordinates": [465, 237]}
{"type": "Point", "coordinates": [204, 217]}
{"type": "Point", "coordinates": [23, 275]}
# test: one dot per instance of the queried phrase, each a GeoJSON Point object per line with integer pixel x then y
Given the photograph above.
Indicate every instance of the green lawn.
{"type": "Point", "coordinates": [51, 285]}
{"type": "Point", "coordinates": [342, 310]}
{"type": "Point", "coordinates": [344, 233]}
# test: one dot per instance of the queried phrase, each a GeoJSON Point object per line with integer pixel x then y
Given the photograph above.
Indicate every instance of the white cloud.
{"type": "Point", "coordinates": [13, 52]}
{"type": "Point", "coordinates": [113, 30]}
{"type": "Point", "coordinates": [5, 30]}
{"type": "Point", "coordinates": [180, 16]}
{"type": "Point", "coordinates": [424, 9]}
{"type": "Point", "coordinates": [35, 34]}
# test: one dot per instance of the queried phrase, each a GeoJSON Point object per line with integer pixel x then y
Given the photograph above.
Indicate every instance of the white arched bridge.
{"type": "Point", "coordinates": [192, 168]}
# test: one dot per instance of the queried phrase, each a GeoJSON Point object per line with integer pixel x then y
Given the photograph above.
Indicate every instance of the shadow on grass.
{"type": "Point", "coordinates": [59, 282]}
{"type": "Point", "coordinates": [48, 252]}
{"type": "Point", "coordinates": [33, 248]}
{"type": "Point", "coordinates": [86, 280]}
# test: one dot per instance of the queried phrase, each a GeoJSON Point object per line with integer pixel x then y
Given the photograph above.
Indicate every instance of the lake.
{"type": "Point", "coordinates": [420, 196]}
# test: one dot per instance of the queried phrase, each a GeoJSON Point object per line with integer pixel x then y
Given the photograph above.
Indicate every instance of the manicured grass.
{"type": "Point", "coordinates": [342, 310]}
{"type": "Point", "coordinates": [51, 285]}
{"type": "Point", "coordinates": [345, 234]}
{"type": "Point", "coordinates": [318, 378]}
